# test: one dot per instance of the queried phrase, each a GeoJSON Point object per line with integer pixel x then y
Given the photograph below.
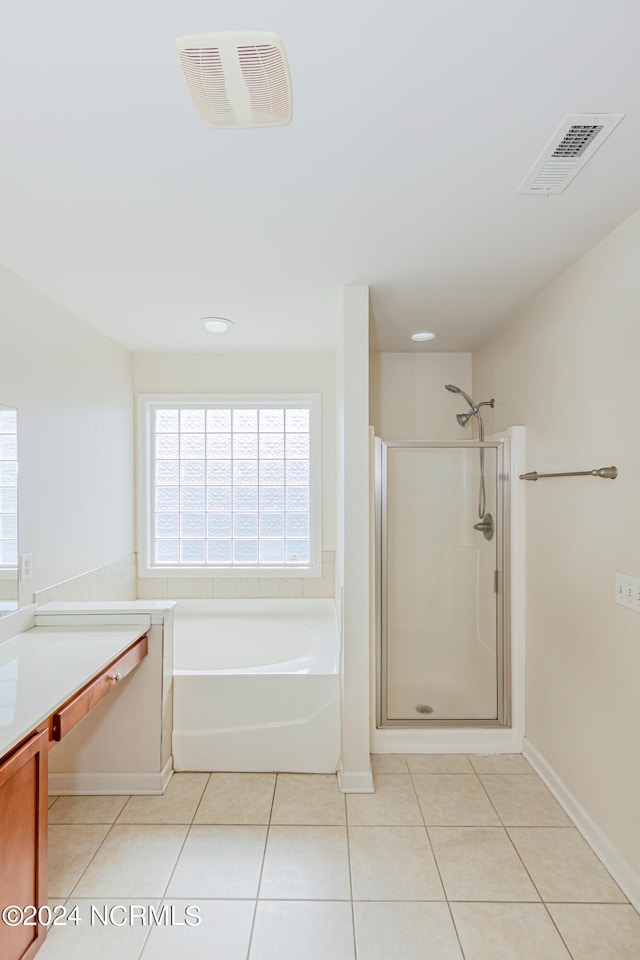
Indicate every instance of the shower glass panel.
{"type": "Point", "coordinates": [442, 586]}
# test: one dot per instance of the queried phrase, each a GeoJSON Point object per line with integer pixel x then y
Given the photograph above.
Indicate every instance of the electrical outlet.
{"type": "Point", "coordinates": [26, 565]}
{"type": "Point", "coordinates": [627, 591]}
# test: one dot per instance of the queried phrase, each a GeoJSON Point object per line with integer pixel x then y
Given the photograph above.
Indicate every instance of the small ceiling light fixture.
{"type": "Point", "coordinates": [216, 324]}
{"type": "Point", "coordinates": [422, 335]}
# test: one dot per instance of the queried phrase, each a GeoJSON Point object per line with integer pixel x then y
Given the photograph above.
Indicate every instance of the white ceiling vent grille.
{"type": "Point", "coordinates": [237, 79]}
{"type": "Point", "coordinates": [572, 145]}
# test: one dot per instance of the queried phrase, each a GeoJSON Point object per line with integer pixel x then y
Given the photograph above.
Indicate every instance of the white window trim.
{"type": "Point", "coordinates": [144, 406]}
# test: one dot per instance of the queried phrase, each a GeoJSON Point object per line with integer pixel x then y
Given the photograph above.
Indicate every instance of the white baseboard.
{"type": "Point", "coordinates": [355, 782]}
{"type": "Point", "coordinates": [123, 784]}
{"type": "Point", "coordinates": [167, 774]}
{"type": "Point", "coordinates": [621, 871]}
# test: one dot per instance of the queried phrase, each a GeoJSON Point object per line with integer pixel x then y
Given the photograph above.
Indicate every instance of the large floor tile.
{"type": "Point", "coordinates": [393, 804]}
{"type": "Point", "coordinates": [402, 931]}
{"type": "Point", "coordinates": [598, 930]}
{"type": "Point", "coordinates": [177, 805]}
{"type": "Point", "coordinates": [86, 809]}
{"type": "Point", "coordinates": [393, 863]}
{"type": "Point", "coordinates": [450, 800]}
{"type": "Point", "coordinates": [292, 930]}
{"type": "Point", "coordinates": [122, 935]}
{"type": "Point", "coordinates": [237, 798]}
{"type": "Point", "coordinates": [389, 763]}
{"type": "Point", "coordinates": [479, 863]}
{"type": "Point", "coordinates": [507, 931]}
{"type": "Point", "coordinates": [306, 863]}
{"type": "Point", "coordinates": [439, 763]}
{"type": "Point", "coordinates": [501, 763]}
{"type": "Point", "coordinates": [524, 801]}
{"type": "Point", "coordinates": [563, 866]}
{"type": "Point", "coordinates": [133, 861]}
{"type": "Point", "coordinates": [222, 934]}
{"type": "Point", "coordinates": [308, 799]}
{"type": "Point", "coordinates": [71, 847]}
{"type": "Point", "coordinates": [219, 862]}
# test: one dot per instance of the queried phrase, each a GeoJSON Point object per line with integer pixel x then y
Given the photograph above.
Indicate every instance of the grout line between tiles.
{"type": "Point", "coordinates": [437, 865]}
{"type": "Point", "coordinates": [549, 914]}
{"type": "Point", "coordinates": [94, 854]}
{"type": "Point", "coordinates": [353, 912]}
{"type": "Point", "coordinates": [493, 806]}
{"type": "Point", "coordinates": [264, 856]}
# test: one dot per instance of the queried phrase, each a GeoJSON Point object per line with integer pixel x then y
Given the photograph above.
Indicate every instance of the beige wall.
{"type": "Point", "coordinates": [73, 388]}
{"type": "Point", "coordinates": [567, 369]}
{"type": "Point", "coordinates": [407, 399]}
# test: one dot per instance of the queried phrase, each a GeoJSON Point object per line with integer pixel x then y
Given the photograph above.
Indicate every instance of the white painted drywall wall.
{"type": "Point", "coordinates": [73, 388]}
{"type": "Point", "coordinates": [408, 400]}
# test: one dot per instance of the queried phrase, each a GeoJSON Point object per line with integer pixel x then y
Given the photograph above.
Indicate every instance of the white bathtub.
{"type": "Point", "coordinates": [256, 685]}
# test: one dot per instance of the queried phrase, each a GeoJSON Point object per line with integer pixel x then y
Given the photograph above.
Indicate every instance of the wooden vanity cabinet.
{"type": "Point", "coordinates": [23, 842]}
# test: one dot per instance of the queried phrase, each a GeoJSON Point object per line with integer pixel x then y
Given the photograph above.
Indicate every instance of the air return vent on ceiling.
{"type": "Point", "coordinates": [237, 79]}
{"type": "Point", "coordinates": [572, 145]}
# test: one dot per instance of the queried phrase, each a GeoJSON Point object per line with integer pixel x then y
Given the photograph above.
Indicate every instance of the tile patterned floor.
{"type": "Point", "coordinates": [453, 858]}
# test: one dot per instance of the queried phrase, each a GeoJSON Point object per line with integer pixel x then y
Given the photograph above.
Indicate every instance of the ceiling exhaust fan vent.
{"type": "Point", "coordinates": [570, 148]}
{"type": "Point", "coordinates": [237, 79]}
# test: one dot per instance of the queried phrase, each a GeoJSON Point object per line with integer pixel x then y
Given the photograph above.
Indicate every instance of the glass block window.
{"type": "Point", "coordinates": [232, 484]}
{"type": "Point", "coordinates": [8, 488]}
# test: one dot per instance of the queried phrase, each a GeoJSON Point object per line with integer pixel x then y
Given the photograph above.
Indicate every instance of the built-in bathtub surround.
{"type": "Point", "coordinates": [113, 581]}
{"type": "Point", "coordinates": [256, 685]}
{"type": "Point", "coordinates": [241, 588]}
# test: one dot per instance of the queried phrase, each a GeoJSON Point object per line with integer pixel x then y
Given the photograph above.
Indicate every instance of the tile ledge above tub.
{"type": "Point", "coordinates": [156, 609]}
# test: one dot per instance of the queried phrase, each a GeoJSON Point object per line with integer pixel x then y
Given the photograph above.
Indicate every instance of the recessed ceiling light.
{"type": "Point", "coordinates": [216, 324]}
{"type": "Point", "coordinates": [421, 335]}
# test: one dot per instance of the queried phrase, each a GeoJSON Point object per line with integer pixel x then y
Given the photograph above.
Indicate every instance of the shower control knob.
{"type": "Point", "coordinates": [486, 526]}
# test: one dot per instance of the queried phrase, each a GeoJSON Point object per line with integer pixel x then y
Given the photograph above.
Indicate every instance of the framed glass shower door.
{"type": "Point", "coordinates": [441, 550]}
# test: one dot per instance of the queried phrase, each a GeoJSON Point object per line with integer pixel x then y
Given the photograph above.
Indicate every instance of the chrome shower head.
{"type": "Point", "coordinates": [463, 418]}
{"type": "Point", "coordinates": [453, 389]}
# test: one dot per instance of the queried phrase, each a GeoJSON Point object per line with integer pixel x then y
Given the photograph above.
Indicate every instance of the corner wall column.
{"type": "Point", "coordinates": [353, 556]}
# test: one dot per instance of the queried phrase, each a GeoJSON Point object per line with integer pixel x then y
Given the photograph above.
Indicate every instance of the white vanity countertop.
{"type": "Point", "coordinates": [41, 668]}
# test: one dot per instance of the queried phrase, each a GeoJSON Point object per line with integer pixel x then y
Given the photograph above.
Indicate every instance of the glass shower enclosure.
{"type": "Point", "coordinates": [442, 583]}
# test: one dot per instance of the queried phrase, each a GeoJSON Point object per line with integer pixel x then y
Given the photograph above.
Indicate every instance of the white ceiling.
{"type": "Point", "coordinates": [414, 122]}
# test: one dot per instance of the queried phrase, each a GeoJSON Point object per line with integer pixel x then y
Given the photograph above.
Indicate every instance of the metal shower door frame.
{"type": "Point", "coordinates": [503, 585]}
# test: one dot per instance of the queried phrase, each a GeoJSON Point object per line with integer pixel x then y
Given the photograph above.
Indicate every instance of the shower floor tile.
{"type": "Point", "coordinates": [468, 854]}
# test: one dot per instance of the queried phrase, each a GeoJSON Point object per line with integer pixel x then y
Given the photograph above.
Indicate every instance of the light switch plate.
{"type": "Point", "coordinates": [627, 591]}
{"type": "Point", "coordinates": [26, 565]}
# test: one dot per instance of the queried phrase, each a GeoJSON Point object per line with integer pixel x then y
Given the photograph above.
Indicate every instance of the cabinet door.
{"type": "Point", "coordinates": [23, 842]}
